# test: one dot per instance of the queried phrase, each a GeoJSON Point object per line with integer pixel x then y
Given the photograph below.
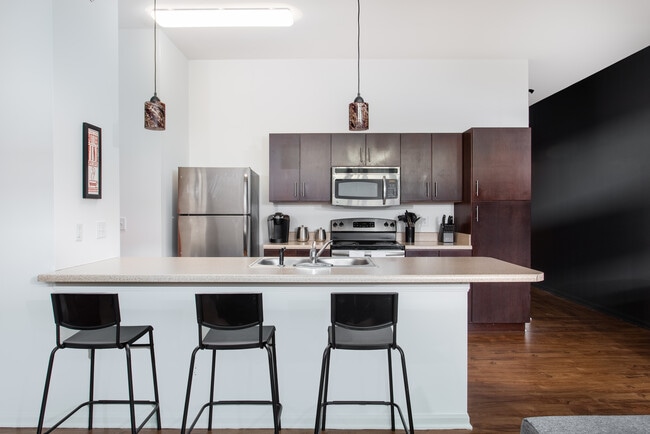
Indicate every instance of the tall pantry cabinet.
{"type": "Point", "coordinates": [495, 210]}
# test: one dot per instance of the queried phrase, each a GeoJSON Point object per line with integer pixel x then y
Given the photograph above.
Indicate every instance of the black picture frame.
{"type": "Point", "coordinates": [92, 161]}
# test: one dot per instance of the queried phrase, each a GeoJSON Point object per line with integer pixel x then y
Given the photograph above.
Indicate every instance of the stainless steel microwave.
{"type": "Point", "coordinates": [365, 186]}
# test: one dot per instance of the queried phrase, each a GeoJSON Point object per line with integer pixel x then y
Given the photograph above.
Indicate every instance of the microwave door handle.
{"type": "Point", "coordinates": [383, 194]}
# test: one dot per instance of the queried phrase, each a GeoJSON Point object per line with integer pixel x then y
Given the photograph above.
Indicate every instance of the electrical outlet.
{"type": "Point", "coordinates": [79, 232]}
{"type": "Point", "coordinates": [123, 224]}
{"type": "Point", "coordinates": [101, 230]}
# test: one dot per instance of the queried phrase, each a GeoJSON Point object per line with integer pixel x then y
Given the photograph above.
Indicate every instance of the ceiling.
{"type": "Point", "coordinates": [563, 40]}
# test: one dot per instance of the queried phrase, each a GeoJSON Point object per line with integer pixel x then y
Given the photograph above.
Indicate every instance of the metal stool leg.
{"type": "Point", "coordinates": [48, 377]}
{"type": "Point", "coordinates": [320, 406]}
{"type": "Point", "coordinates": [189, 390]}
{"type": "Point", "coordinates": [406, 390]}
{"type": "Point", "coordinates": [392, 395]}
{"type": "Point", "coordinates": [129, 373]}
{"type": "Point", "coordinates": [155, 379]}
{"type": "Point", "coordinates": [212, 379]}
{"type": "Point", "coordinates": [274, 396]}
{"type": "Point", "coordinates": [91, 392]}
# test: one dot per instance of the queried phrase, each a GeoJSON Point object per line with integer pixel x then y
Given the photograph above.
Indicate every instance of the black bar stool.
{"type": "Point", "coordinates": [96, 319]}
{"type": "Point", "coordinates": [233, 322]}
{"type": "Point", "coordinates": [364, 321]}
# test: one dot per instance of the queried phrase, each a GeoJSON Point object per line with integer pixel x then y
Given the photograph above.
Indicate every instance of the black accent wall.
{"type": "Point", "coordinates": [591, 190]}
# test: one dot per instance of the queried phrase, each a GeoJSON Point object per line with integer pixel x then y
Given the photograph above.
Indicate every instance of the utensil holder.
{"type": "Point", "coordinates": [409, 234]}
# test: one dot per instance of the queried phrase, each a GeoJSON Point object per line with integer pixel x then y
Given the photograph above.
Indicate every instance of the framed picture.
{"type": "Point", "coordinates": [92, 161]}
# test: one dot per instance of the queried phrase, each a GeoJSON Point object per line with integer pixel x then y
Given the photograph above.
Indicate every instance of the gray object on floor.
{"type": "Point", "coordinates": [586, 425]}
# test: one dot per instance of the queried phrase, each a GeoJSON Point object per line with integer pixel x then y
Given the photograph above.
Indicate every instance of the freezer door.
{"type": "Point", "coordinates": [214, 190]}
{"type": "Point", "coordinates": [216, 236]}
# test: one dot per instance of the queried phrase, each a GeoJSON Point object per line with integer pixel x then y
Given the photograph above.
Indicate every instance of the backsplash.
{"type": "Point", "coordinates": [315, 216]}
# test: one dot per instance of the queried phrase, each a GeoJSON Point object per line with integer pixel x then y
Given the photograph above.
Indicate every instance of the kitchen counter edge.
{"type": "Point", "coordinates": [167, 270]}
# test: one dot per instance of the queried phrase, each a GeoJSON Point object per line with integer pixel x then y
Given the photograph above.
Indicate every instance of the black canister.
{"type": "Point", "coordinates": [278, 228]}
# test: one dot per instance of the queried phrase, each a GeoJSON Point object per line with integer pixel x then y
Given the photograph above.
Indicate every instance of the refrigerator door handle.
{"type": "Point", "coordinates": [246, 239]}
{"type": "Point", "coordinates": [246, 193]}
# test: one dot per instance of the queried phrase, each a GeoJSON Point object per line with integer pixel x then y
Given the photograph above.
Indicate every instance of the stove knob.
{"type": "Point", "coordinates": [392, 224]}
{"type": "Point", "coordinates": [385, 224]}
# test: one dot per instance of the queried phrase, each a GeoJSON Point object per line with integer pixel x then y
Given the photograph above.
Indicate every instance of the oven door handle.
{"type": "Point", "coordinates": [383, 192]}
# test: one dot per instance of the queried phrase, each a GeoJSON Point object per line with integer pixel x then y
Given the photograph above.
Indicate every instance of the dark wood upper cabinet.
{"type": "Point", "coordinates": [447, 166]}
{"type": "Point", "coordinates": [431, 167]}
{"type": "Point", "coordinates": [365, 149]}
{"type": "Point", "coordinates": [415, 176]}
{"type": "Point", "coordinates": [284, 167]}
{"type": "Point", "coordinates": [497, 164]}
{"type": "Point", "coordinates": [299, 167]}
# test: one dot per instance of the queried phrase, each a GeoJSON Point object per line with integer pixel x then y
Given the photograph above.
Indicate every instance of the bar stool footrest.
{"type": "Point", "coordinates": [153, 411]}
{"type": "Point", "coordinates": [231, 402]}
{"type": "Point", "coordinates": [386, 403]}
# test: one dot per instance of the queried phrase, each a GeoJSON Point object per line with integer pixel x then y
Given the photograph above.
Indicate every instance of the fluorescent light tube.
{"type": "Point", "coordinates": [280, 17]}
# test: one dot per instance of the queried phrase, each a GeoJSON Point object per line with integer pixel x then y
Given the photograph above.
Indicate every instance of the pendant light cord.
{"type": "Point", "coordinates": [358, 47]}
{"type": "Point", "coordinates": [155, 46]}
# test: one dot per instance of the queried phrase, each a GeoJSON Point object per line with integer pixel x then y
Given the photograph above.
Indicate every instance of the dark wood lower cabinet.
{"type": "Point", "coordinates": [500, 229]}
{"type": "Point", "coordinates": [436, 253]}
{"type": "Point", "coordinates": [292, 252]}
{"type": "Point", "coordinates": [499, 303]}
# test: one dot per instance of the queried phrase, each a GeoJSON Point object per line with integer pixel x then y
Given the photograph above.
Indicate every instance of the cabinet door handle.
{"type": "Point", "coordinates": [476, 213]}
{"type": "Point", "coordinates": [368, 155]}
{"type": "Point", "coordinates": [303, 189]}
{"type": "Point", "coordinates": [295, 189]}
{"type": "Point", "coordinates": [427, 187]}
{"type": "Point", "coordinates": [477, 188]}
{"type": "Point", "coordinates": [361, 155]}
{"type": "Point", "coordinates": [435, 189]}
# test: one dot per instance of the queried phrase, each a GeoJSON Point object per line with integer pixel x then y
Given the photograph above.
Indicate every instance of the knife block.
{"type": "Point", "coordinates": [446, 233]}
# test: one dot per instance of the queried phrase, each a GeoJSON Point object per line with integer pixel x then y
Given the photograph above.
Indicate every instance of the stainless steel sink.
{"type": "Point", "coordinates": [346, 262]}
{"type": "Point", "coordinates": [320, 263]}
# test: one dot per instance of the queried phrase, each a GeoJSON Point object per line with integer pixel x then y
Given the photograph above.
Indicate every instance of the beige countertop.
{"type": "Point", "coordinates": [423, 241]}
{"type": "Point", "coordinates": [139, 270]}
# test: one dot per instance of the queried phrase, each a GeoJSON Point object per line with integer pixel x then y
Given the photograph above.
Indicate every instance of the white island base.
{"type": "Point", "coordinates": [432, 330]}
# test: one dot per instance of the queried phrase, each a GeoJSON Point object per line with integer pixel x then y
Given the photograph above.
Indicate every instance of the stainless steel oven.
{"type": "Point", "coordinates": [365, 237]}
{"type": "Point", "coordinates": [365, 186]}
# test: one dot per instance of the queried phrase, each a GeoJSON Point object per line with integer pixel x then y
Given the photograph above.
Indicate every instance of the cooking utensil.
{"type": "Point", "coordinates": [302, 233]}
{"type": "Point", "coordinates": [320, 235]}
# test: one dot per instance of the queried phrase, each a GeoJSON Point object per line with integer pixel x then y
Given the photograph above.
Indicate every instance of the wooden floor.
{"type": "Point", "coordinates": [570, 360]}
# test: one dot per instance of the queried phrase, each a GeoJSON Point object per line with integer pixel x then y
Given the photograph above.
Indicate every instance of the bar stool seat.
{"type": "Point", "coordinates": [363, 322]}
{"type": "Point", "coordinates": [96, 320]}
{"type": "Point", "coordinates": [232, 322]}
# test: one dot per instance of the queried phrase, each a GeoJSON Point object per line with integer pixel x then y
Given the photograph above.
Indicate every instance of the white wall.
{"type": "Point", "coordinates": [85, 89]}
{"type": "Point", "coordinates": [148, 159]}
{"type": "Point", "coordinates": [59, 69]}
{"type": "Point", "coordinates": [235, 104]}
{"type": "Point", "coordinates": [26, 177]}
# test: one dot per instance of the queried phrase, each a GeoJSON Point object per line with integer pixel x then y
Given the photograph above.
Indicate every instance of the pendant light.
{"type": "Point", "coordinates": [154, 109]}
{"type": "Point", "coordinates": [358, 109]}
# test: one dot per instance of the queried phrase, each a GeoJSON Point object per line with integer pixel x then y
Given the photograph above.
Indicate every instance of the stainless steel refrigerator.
{"type": "Point", "coordinates": [218, 211]}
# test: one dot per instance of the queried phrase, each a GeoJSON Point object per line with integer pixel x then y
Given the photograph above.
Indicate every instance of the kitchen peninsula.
{"type": "Point", "coordinates": [432, 331]}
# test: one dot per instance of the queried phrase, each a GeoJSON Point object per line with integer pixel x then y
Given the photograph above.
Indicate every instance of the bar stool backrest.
{"type": "Point", "coordinates": [364, 311]}
{"type": "Point", "coordinates": [229, 312]}
{"type": "Point", "coordinates": [86, 312]}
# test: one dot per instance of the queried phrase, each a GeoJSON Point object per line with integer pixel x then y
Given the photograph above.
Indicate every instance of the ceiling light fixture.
{"type": "Point", "coordinates": [154, 109]}
{"type": "Point", "coordinates": [280, 17]}
{"type": "Point", "coordinates": [358, 109]}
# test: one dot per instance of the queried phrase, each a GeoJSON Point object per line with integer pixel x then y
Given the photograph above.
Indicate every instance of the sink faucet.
{"type": "Point", "coordinates": [281, 256]}
{"type": "Point", "coordinates": [314, 254]}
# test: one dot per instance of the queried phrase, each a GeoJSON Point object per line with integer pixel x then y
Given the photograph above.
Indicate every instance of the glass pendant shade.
{"type": "Point", "coordinates": [154, 114]}
{"type": "Point", "coordinates": [359, 117]}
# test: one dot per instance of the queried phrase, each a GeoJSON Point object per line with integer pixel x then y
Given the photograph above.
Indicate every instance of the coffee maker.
{"type": "Point", "coordinates": [278, 228]}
